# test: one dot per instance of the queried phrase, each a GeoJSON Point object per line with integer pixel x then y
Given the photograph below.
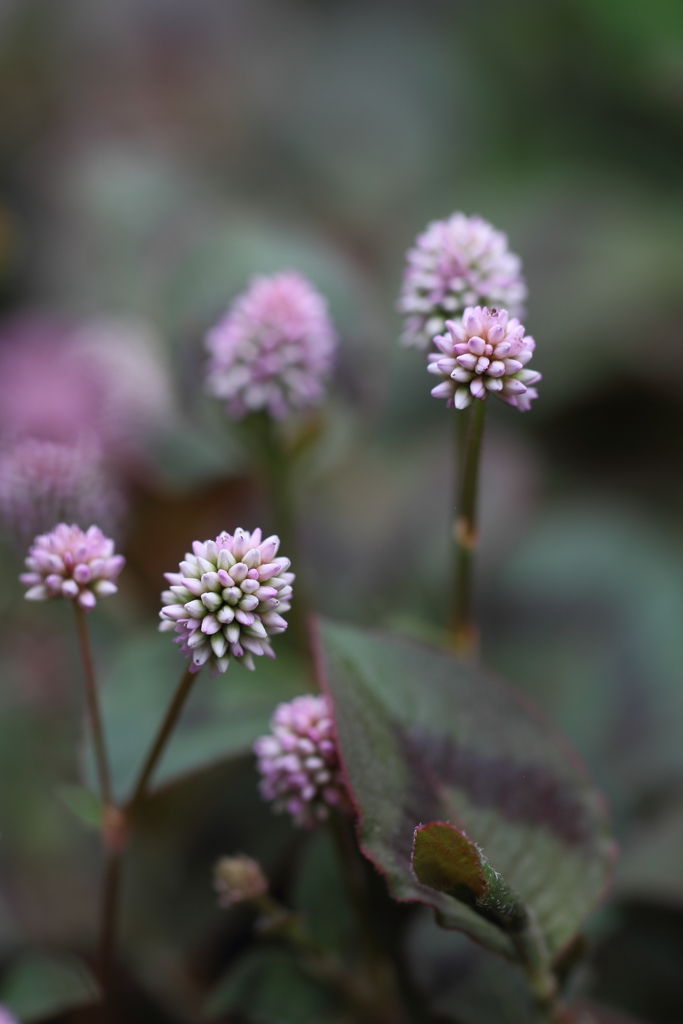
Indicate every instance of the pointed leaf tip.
{"type": "Point", "coordinates": [445, 859]}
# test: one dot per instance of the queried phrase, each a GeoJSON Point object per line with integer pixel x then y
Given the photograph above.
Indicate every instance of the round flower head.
{"type": "Point", "coordinates": [298, 761]}
{"type": "Point", "coordinates": [273, 348]}
{"type": "Point", "coordinates": [43, 481]}
{"type": "Point", "coordinates": [223, 601]}
{"type": "Point", "coordinates": [238, 879]}
{"type": "Point", "coordinates": [105, 381]}
{"type": "Point", "coordinates": [69, 563]}
{"type": "Point", "coordinates": [485, 353]}
{"type": "Point", "coordinates": [458, 262]}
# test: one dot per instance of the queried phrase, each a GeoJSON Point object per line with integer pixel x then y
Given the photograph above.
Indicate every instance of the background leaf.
{"type": "Point", "coordinates": [424, 736]}
{"type": "Point", "coordinates": [85, 804]}
{"type": "Point", "coordinates": [269, 987]}
{"type": "Point", "coordinates": [222, 717]}
{"type": "Point", "coordinates": [40, 985]}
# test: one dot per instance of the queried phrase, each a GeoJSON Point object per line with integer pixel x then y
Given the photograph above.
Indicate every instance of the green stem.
{"type": "Point", "coordinates": [276, 465]}
{"type": "Point", "coordinates": [465, 528]}
{"type": "Point", "coordinates": [162, 736]}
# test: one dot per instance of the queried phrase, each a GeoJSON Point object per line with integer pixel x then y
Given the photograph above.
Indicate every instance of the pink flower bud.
{"type": "Point", "coordinates": [226, 613]}
{"type": "Point", "coordinates": [298, 761]}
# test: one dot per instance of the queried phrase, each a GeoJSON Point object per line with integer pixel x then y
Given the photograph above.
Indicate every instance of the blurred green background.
{"type": "Point", "coordinates": [153, 155]}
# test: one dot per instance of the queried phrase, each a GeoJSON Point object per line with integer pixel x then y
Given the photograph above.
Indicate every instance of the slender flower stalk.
{"type": "Point", "coordinates": [163, 735]}
{"type": "Point", "coordinates": [82, 567]}
{"type": "Point", "coordinates": [483, 354]}
{"type": "Point", "coordinates": [276, 462]}
{"type": "Point", "coordinates": [465, 635]}
{"type": "Point", "coordinates": [93, 707]}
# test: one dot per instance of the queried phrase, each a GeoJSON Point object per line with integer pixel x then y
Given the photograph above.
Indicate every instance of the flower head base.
{"type": "Point", "coordinates": [484, 354]}
{"type": "Point", "coordinates": [273, 348]}
{"type": "Point", "coordinates": [457, 262]}
{"type": "Point", "coordinates": [70, 563]}
{"type": "Point", "coordinates": [299, 761]}
{"type": "Point", "coordinates": [223, 601]}
{"type": "Point", "coordinates": [237, 880]}
{"type": "Point", "coordinates": [43, 482]}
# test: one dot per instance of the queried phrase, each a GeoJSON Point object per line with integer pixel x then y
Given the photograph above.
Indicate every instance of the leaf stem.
{"type": "Point", "coordinates": [162, 736]}
{"type": "Point", "coordinates": [470, 433]}
{"type": "Point", "coordinates": [92, 706]}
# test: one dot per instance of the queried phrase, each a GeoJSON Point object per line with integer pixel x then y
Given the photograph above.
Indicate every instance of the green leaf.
{"type": "Point", "coordinates": [321, 894]}
{"type": "Point", "coordinates": [425, 737]}
{"type": "Point", "coordinates": [85, 804]}
{"type": "Point", "coordinates": [445, 859]}
{"type": "Point", "coordinates": [41, 985]}
{"type": "Point", "coordinates": [270, 988]}
{"type": "Point", "coordinates": [222, 717]}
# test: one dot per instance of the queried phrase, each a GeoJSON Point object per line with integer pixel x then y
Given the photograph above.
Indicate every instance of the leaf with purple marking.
{"type": "Point", "coordinates": [425, 737]}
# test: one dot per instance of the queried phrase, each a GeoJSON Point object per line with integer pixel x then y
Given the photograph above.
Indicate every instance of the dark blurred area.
{"type": "Point", "coordinates": [154, 154]}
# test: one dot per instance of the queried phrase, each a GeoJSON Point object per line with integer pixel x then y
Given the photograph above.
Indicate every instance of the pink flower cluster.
{"type": "Point", "coordinates": [299, 761]}
{"type": "Point", "coordinates": [273, 349]}
{"type": "Point", "coordinates": [76, 404]}
{"type": "Point", "coordinates": [69, 563]}
{"type": "Point", "coordinates": [227, 600]}
{"type": "Point", "coordinates": [44, 482]}
{"type": "Point", "coordinates": [484, 354]}
{"type": "Point", "coordinates": [458, 262]}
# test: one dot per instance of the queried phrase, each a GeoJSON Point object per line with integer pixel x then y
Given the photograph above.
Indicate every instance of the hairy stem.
{"type": "Point", "coordinates": [162, 736]}
{"type": "Point", "coordinates": [465, 528]}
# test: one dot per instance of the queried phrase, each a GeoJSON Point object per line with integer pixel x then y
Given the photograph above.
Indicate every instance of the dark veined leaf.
{"type": "Point", "coordinates": [425, 737]}
{"type": "Point", "coordinates": [40, 985]}
{"type": "Point", "coordinates": [222, 717]}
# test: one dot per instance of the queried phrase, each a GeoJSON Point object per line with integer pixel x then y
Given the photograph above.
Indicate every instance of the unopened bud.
{"type": "Point", "coordinates": [238, 879]}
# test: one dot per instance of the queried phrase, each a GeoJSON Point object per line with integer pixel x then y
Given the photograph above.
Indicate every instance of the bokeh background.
{"type": "Point", "coordinates": [156, 153]}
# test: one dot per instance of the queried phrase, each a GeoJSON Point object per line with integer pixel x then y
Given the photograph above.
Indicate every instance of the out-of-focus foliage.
{"type": "Point", "coordinates": [152, 157]}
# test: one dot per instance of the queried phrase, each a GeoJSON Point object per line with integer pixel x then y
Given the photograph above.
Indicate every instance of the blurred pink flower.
{"type": "Point", "coordinates": [44, 482]}
{"type": "Point", "coordinates": [76, 406]}
{"type": "Point", "coordinates": [484, 354]}
{"type": "Point", "coordinates": [223, 601]}
{"type": "Point", "coordinates": [70, 563]}
{"type": "Point", "coordinates": [6, 1017]}
{"type": "Point", "coordinates": [104, 380]}
{"type": "Point", "coordinates": [273, 349]}
{"type": "Point", "coordinates": [298, 761]}
{"type": "Point", "coordinates": [458, 262]}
